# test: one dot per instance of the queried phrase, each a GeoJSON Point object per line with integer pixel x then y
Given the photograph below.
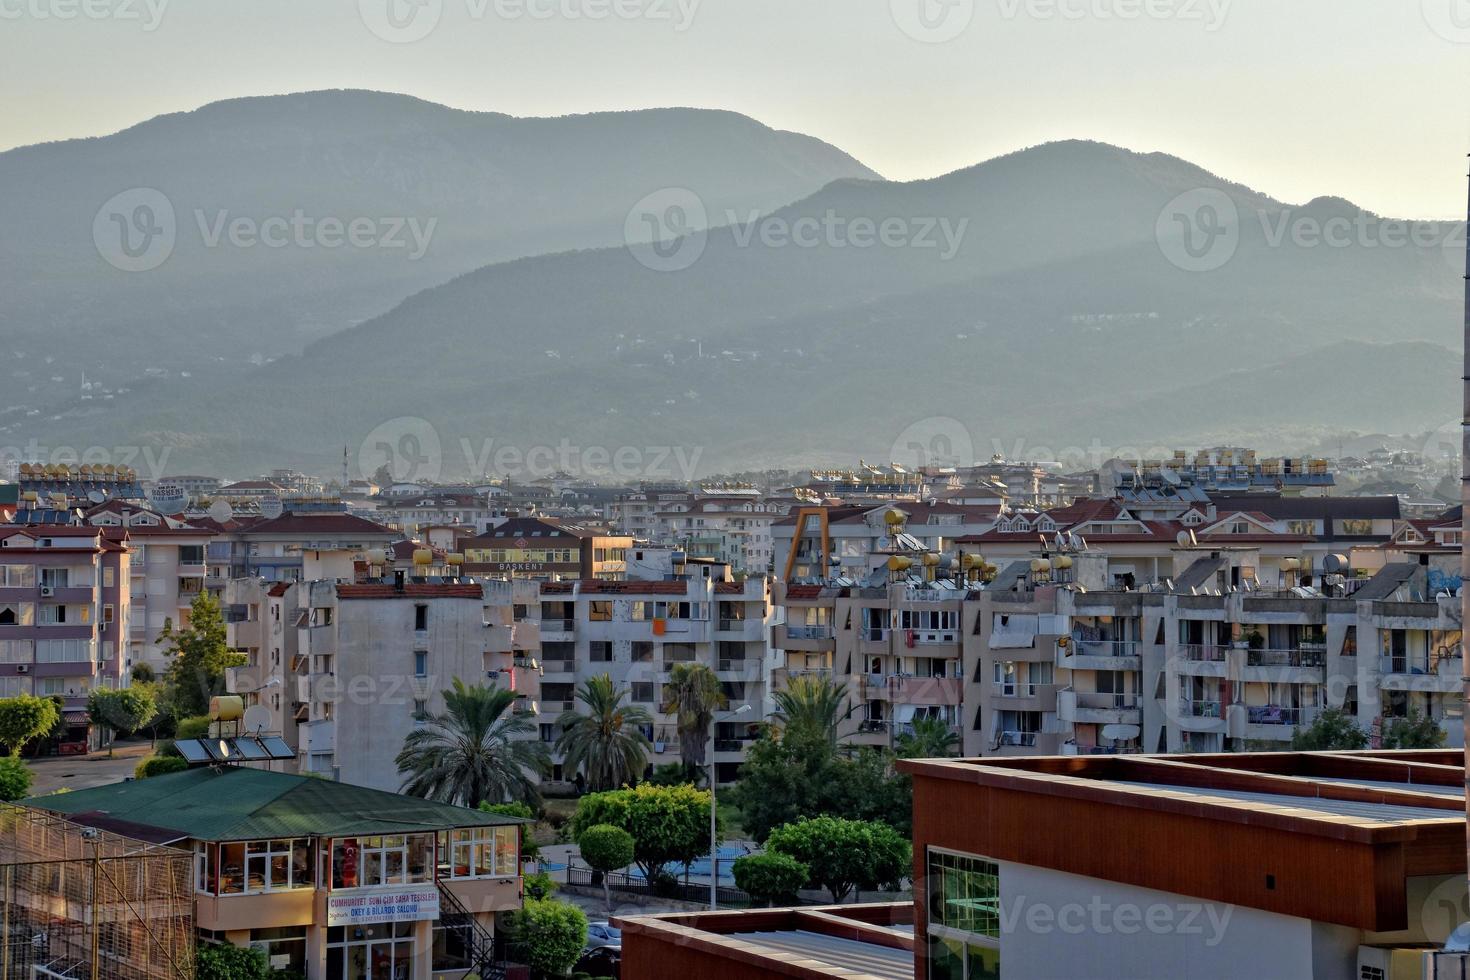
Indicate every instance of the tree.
{"type": "Point", "coordinates": [1332, 729]}
{"type": "Point", "coordinates": [606, 849]}
{"type": "Point", "coordinates": [844, 855]}
{"type": "Point", "coordinates": [15, 778]}
{"type": "Point", "coordinates": [606, 744]}
{"type": "Point", "coordinates": [1417, 731]}
{"type": "Point", "coordinates": [224, 961]}
{"type": "Point", "coordinates": [24, 718]}
{"type": "Point", "coordinates": [931, 738]}
{"type": "Point", "coordinates": [770, 878]}
{"type": "Point", "coordinates": [813, 704]}
{"type": "Point", "coordinates": [693, 696]}
{"type": "Point", "coordinates": [159, 765]}
{"type": "Point", "coordinates": [200, 655]}
{"type": "Point", "coordinates": [668, 824]}
{"type": "Point", "coordinates": [552, 934]}
{"type": "Point", "coordinates": [121, 710]}
{"type": "Point", "coordinates": [476, 751]}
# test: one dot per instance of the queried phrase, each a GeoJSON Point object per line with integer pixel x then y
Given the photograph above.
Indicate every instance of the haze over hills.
{"type": "Point", "coordinates": [1039, 300]}
{"type": "Point", "coordinates": [464, 189]}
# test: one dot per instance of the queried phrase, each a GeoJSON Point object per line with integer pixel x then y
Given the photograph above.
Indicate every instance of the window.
{"type": "Point", "coordinates": [420, 617]}
{"type": "Point", "coordinates": [421, 663]}
{"type": "Point", "coordinates": [600, 651]}
{"type": "Point", "coordinates": [18, 614]}
{"type": "Point", "coordinates": [54, 578]}
{"type": "Point", "coordinates": [482, 852]}
{"type": "Point", "coordinates": [108, 614]}
{"type": "Point", "coordinates": [642, 652]}
{"type": "Point", "coordinates": [600, 611]}
{"type": "Point", "coordinates": [964, 894]}
{"type": "Point", "coordinates": [18, 576]}
{"type": "Point", "coordinates": [642, 692]}
{"type": "Point", "coordinates": [17, 651]}
{"type": "Point", "coordinates": [109, 577]}
{"type": "Point", "coordinates": [364, 862]}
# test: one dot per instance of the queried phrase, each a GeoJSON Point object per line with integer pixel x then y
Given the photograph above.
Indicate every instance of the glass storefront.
{"type": "Point", "coordinates": [378, 952]}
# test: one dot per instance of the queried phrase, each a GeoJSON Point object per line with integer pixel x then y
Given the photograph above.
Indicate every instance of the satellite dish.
{"type": "Point", "coordinates": [168, 498]}
{"type": "Point", "coordinates": [1169, 476]}
{"type": "Point", "coordinates": [220, 511]}
{"type": "Point", "coordinates": [257, 719]}
{"type": "Point", "coordinates": [96, 496]}
{"type": "Point", "coordinates": [271, 507]}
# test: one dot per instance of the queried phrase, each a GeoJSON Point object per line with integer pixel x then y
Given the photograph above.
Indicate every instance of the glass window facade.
{"type": "Point", "coordinates": [964, 917]}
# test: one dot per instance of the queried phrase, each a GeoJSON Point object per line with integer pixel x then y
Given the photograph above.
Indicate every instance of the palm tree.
{"type": "Point", "coordinates": [606, 744]}
{"type": "Point", "coordinates": [932, 738]}
{"type": "Point", "coordinates": [693, 695]}
{"type": "Point", "coordinates": [477, 751]}
{"type": "Point", "coordinates": [812, 704]}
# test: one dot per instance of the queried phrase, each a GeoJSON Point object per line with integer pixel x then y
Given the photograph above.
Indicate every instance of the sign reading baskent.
{"type": "Point", "coordinates": [397, 905]}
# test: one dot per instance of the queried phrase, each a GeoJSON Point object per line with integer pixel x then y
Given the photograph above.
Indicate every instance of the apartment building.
{"type": "Point", "coordinates": [546, 550]}
{"type": "Point", "coordinates": [349, 669]}
{"type": "Point", "coordinates": [168, 570]}
{"type": "Point", "coordinates": [65, 606]}
{"type": "Point", "coordinates": [278, 549]}
{"type": "Point", "coordinates": [636, 631]}
{"type": "Point", "coordinates": [818, 543]}
{"type": "Point", "coordinates": [733, 530]}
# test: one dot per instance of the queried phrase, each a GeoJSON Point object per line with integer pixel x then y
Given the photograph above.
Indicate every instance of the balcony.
{"type": "Point", "coordinates": [558, 667]}
{"type": "Point", "coordinates": [1098, 708]}
{"type": "Point", "coordinates": [319, 736]}
{"type": "Point", "coordinates": [904, 689]}
{"type": "Point", "coordinates": [1441, 675]}
{"type": "Point", "coordinates": [1285, 666]}
{"type": "Point", "coordinates": [1273, 722]}
{"type": "Point", "coordinates": [558, 626]}
{"type": "Point", "coordinates": [801, 636]}
{"type": "Point", "coordinates": [742, 629]}
{"type": "Point", "coordinates": [1202, 715]}
{"type": "Point", "coordinates": [1098, 655]}
{"type": "Point", "coordinates": [1015, 696]}
{"type": "Point", "coordinates": [1202, 660]}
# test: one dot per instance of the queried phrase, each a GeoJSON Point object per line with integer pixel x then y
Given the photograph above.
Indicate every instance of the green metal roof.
{"type": "Point", "coordinates": [231, 803]}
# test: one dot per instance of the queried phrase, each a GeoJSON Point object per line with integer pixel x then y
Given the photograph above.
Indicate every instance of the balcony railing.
{"type": "Point", "coordinates": [1202, 709]}
{"type": "Point", "coordinates": [874, 634]}
{"type": "Point", "coordinates": [1273, 714]}
{"type": "Point", "coordinates": [1022, 739]}
{"type": "Point", "coordinates": [731, 664]}
{"type": "Point", "coordinates": [558, 666]}
{"type": "Point", "coordinates": [558, 625]}
{"type": "Point", "coordinates": [1441, 666]}
{"type": "Point", "coordinates": [1298, 657]}
{"type": "Point", "coordinates": [1017, 690]}
{"type": "Point", "coordinates": [1104, 648]}
{"type": "Point", "coordinates": [804, 631]}
{"type": "Point", "coordinates": [1204, 653]}
{"type": "Point", "coordinates": [1104, 701]}
{"type": "Point", "coordinates": [731, 625]}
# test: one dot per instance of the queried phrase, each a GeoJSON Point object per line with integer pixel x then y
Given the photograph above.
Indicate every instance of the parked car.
{"type": "Point", "coordinates": [604, 961]}
{"type": "Point", "coordinates": [603, 934]}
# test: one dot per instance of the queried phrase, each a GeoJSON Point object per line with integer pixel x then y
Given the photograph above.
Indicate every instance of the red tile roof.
{"type": "Point", "coordinates": [412, 590]}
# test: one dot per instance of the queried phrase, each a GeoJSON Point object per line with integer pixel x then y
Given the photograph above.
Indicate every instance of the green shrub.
{"type": "Point", "coordinates": [552, 935]}
{"type": "Point", "coordinates": [15, 779]}
{"type": "Point", "coordinates": [221, 961]}
{"type": "Point", "coordinates": [539, 886]}
{"type": "Point", "coordinates": [159, 765]}
{"type": "Point", "coordinates": [771, 877]}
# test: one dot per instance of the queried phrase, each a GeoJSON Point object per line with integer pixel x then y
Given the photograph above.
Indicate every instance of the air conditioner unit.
{"type": "Point", "coordinates": [23, 668]}
{"type": "Point", "coordinates": [47, 591]}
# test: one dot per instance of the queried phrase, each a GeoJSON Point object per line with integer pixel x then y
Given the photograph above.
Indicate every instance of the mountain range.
{"type": "Point", "coordinates": [1067, 295]}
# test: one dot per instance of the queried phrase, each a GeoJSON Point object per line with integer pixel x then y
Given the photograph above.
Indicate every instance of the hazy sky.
{"type": "Point", "coordinates": [1366, 99]}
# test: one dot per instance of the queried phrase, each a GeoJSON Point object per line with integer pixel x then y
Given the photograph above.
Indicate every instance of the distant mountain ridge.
{"type": "Point", "coordinates": [485, 187]}
{"type": "Point", "coordinates": [1067, 316]}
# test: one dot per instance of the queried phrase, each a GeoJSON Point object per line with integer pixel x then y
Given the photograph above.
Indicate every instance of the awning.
{"type": "Point", "coordinates": [1011, 632]}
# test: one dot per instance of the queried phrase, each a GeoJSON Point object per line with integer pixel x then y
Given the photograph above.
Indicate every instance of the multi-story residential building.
{"type": "Point", "coordinates": [278, 549]}
{"type": "Point", "coordinates": [636, 631]}
{"type": "Point", "coordinates": [348, 669]}
{"type": "Point", "coordinates": [411, 514]}
{"type": "Point", "coordinates": [64, 613]}
{"type": "Point", "coordinates": [546, 549]}
{"type": "Point", "coordinates": [733, 530]}
{"type": "Point", "coordinates": [849, 541]}
{"type": "Point", "coordinates": [168, 570]}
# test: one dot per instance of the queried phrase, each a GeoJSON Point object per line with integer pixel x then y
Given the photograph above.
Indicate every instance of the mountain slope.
{"type": "Point", "coordinates": [475, 188]}
{"type": "Point", "coordinates": [1058, 319]}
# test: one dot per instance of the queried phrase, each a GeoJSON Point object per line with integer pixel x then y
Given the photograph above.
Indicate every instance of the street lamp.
{"type": "Point", "coordinates": [714, 847]}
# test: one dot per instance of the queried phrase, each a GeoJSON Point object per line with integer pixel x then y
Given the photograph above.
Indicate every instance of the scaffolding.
{"type": "Point", "coordinates": [82, 903]}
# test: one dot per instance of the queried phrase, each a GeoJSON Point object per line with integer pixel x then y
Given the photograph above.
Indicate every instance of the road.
{"type": "Point", "coordinates": [85, 771]}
